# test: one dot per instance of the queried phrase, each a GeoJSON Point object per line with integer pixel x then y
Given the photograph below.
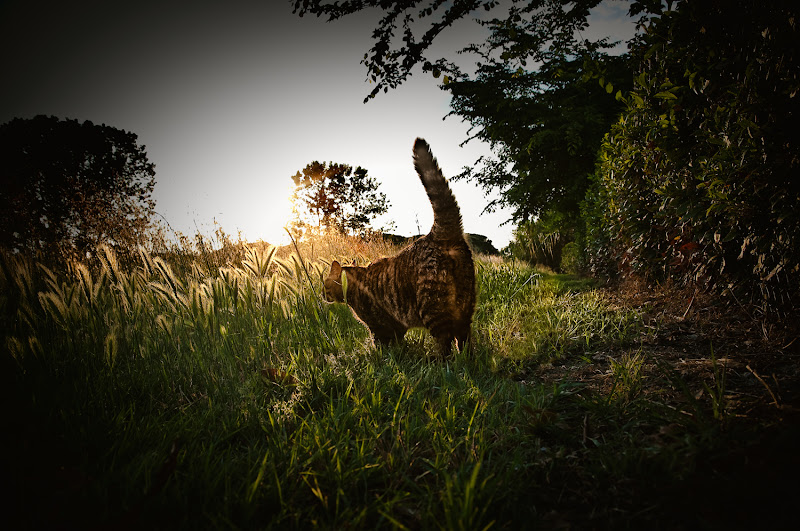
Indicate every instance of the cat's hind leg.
{"type": "Point", "coordinates": [445, 346]}
{"type": "Point", "coordinates": [446, 335]}
{"type": "Point", "coordinates": [464, 340]}
{"type": "Point", "coordinates": [387, 335]}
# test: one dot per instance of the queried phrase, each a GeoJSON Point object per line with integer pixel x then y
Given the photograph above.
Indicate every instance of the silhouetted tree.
{"type": "Point", "coordinates": [334, 196]}
{"type": "Point", "coordinates": [536, 29]}
{"type": "Point", "coordinates": [69, 186]}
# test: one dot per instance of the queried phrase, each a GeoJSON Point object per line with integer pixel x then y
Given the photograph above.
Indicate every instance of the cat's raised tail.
{"type": "Point", "coordinates": [446, 214]}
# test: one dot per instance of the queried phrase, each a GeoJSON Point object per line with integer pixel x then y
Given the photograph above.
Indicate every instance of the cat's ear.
{"type": "Point", "coordinates": [336, 269]}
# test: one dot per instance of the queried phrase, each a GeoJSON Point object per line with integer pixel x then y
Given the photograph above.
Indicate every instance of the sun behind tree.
{"type": "Point", "coordinates": [334, 197]}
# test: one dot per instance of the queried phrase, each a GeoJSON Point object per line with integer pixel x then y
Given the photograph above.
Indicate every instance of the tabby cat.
{"type": "Point", "coordinates": [430, 283]}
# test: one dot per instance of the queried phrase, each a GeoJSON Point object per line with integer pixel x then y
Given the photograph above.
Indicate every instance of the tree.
{"type": "Point", "coordinates": [388, 64]}
{"type": "Point", "coordinates": [545, 128]}
{"type": "Point", "coordinates": [336, 197]}
{"type": "Point", "coordinates": [67, 186]}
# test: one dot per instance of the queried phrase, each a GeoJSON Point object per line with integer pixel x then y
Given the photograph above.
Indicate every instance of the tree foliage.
{"type": "Point", "coordinates": [69, 186]}
{"type": "Point", "coordinates": [699, 178]}
{"type": "Point", "coordinates": [532, 91]}
{"type": "Point", "coordinates": [333, 196]}
{"type": "Point", "coordinates": [545, 128]}
{"type": "Point", "coordinates": [419, 22]}
{"type": "Point", "coordinates": [545, 123]}
{"type": "Point", "coordinates": [388, 65]}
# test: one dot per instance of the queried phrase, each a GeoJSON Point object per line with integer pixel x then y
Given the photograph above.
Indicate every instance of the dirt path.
{"type": "Point", "coordinates": [718, 361]}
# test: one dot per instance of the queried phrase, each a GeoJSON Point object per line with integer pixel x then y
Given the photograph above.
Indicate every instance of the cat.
{"type": "Point", "coordinates": [430, 283]}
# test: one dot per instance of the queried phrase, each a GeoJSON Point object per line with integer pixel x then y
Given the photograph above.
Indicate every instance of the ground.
{"type": "Point", "coordinates": [694, 354]}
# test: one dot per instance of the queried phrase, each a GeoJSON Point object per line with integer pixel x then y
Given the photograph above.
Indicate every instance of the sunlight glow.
{"type": "Point", "coordinates": [268, 222]}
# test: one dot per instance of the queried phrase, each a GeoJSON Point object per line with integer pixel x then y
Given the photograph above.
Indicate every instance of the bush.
{"type": "Point", "coordinates": [571, 259]}
{"type": "Point", "coordinates": [697, 181]}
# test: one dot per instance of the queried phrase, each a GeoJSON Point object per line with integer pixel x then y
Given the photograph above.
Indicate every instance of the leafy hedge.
{"type": "Point", "coordinates": [698, 180]}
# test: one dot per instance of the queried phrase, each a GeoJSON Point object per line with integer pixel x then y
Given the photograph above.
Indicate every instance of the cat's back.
{"type": "Point", "coordinates": [439, 271]}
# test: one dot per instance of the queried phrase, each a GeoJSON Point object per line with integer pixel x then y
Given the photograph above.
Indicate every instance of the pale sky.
{"type": "Point", "coordinates": [233, 98]}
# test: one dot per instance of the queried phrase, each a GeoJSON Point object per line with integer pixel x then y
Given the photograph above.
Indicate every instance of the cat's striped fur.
{"type": "Point", "coordinates": [430, 283]}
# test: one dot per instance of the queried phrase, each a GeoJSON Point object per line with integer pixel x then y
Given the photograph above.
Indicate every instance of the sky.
{"type": "Point", "coordinates": [233, 98]}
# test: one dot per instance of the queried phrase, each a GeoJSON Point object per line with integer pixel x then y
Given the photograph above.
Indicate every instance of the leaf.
{"type": "Point", "coordinates": [666, 95]}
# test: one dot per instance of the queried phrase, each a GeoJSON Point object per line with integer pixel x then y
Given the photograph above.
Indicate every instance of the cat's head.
{"type": "Point", "coordinates": [334, 291]}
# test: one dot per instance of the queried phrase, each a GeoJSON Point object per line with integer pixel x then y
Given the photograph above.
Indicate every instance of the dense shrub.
{"type": "Point", "coordinates": [698, 180]}
{"type": "Point", "coordinates": [541, 241]}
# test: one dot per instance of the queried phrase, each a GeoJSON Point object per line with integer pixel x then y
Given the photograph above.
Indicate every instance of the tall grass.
{"type": "Point", "coordinates": [527, 315]}
{"type": "Point", "coordinates": [167, 395]}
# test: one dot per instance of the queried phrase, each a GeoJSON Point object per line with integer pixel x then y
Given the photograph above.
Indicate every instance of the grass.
{"type": "Point", "coordinates": [170, 396]}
